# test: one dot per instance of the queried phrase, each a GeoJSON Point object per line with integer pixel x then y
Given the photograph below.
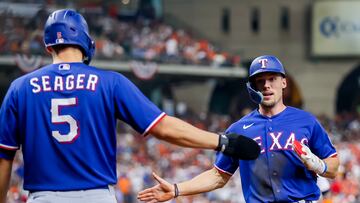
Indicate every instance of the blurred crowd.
{"type": "Point", "coordinates": [116, 39]}
{"type": "Point", "coordinates": [138, 157]}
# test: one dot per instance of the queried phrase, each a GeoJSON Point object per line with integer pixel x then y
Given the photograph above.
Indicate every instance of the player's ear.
{"type": "Point", "coordinates": [284, 82]}
{"type": "Point", "coordinates": [49, 50]}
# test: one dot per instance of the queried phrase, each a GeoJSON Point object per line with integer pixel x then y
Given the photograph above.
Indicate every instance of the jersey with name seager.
{"type": "Point", "coordinates": [278, 175]}
{"type": "Point", "coordinates": [63, 116]}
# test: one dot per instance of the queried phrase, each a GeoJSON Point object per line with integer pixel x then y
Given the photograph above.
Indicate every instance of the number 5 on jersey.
{"type": "Point", "coordinates": [56, 118]}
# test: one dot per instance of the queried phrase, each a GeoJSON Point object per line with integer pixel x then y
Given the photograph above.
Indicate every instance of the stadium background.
{"type": "Point", "coordinates": [191, 58]}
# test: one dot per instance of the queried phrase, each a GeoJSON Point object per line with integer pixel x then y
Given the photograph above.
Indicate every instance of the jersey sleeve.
{"type": "Point", "coordinates": [9, 134]}
{"type": "Point", "coordinates": [320, 143]}
{"type": "Point", "coordinates": [133, 107]}
{"type": "Point", "coordinates": [7, 154]}
{"type": "Point", "coordinates": [225, 163]}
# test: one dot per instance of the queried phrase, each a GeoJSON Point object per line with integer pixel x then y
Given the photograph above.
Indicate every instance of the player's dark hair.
{"type": "Point", "coordinates": [58, 48]}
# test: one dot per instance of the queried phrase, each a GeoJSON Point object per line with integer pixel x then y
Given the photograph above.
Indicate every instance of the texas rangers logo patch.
{"type": "Point", "coordinates": [59, 38]}
{"type": "Point", "coordinates": [263, 62]}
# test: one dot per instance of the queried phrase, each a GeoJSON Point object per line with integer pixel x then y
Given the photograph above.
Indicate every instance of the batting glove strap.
{"type": "Point", "coordinates": [324, 169]}
{"type": "Point", "coordinates": [317, 165]}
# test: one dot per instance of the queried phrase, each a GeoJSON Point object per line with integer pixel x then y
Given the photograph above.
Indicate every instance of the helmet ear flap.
{"type": "Point", "coordinates": [91, 51]}
{"type": "Point", "coordinates": [255, 96]}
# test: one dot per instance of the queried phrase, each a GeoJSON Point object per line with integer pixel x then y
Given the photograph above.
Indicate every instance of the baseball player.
{"type": "Point", "coordinates": [295, 149]}
{"type": "Point", "coordinates": [63, 117]}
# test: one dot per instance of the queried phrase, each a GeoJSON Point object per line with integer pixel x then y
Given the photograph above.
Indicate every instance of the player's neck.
{"type": "Point", "coordinates": [271, 111]}
{"type": "Point", "coordinates": [68, 55]}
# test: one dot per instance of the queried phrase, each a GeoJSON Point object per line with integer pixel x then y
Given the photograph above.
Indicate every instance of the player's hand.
{"type": "Point", "coordinates": [161, 192]}
{"type": "Point", "coordinates": [310, 160]}
{"type": "Point", "coordinates": [238, 146]}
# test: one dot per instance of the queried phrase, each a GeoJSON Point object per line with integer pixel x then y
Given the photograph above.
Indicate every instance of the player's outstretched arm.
{"type": "Point", "coordinates": [5, 172]}
{"type": "Point", "coordinates": [164, 191]}
{"type": "Point", "coordinates": [179, 132]}
{"type": "Point", "coordinates": [327, 167]}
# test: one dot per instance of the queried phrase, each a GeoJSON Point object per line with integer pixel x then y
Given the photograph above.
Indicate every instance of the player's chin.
{"type": "Point", "coordinates": [268, 103]}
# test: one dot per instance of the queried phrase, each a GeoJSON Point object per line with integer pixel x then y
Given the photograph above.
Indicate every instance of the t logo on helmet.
{"type": "Point", "coordinates": [59, 38]}
{"type": "Point", "coordinates": [263, 62]}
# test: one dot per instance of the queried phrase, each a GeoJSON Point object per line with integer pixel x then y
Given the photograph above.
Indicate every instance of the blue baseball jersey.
{"type": "Point", "coordinates": [278, 175]}
{"type": "Point", "coordinates": [63, 117]}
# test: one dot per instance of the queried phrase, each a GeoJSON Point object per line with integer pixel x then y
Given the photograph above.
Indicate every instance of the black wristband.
{"type": "Point", "coordinates": [176, 190]}
{"type": "Point", "coordinates": [223, 143]}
